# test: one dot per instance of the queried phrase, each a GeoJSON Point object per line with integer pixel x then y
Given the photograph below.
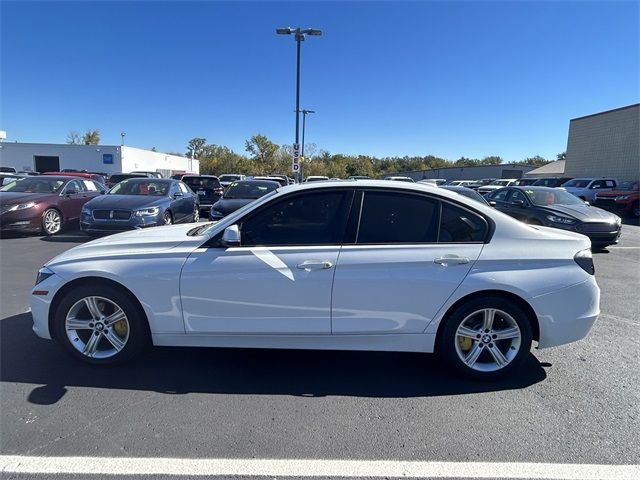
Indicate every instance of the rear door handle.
{"type": "Point", "coordinates": [309, 265]}
{"type": "Point", "coordinates": [451, 260]}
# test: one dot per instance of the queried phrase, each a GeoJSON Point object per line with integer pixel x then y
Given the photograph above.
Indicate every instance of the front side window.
{"type": "Point", "coordinates": [389, 217]}
{"type": "Point", "coordinates": [74, 186]}
{"type": "Point", "coordinates": [517, 196]}
{"type": "Point", "coordinates": [183, 188]}
{"type": "Point", "coordinates": [499, 195]}
{"type": "Point", "coordinates": [317, 218]}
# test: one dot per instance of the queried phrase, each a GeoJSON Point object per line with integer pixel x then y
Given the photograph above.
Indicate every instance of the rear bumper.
{"type": "Point", "coordinates": [567, 315]}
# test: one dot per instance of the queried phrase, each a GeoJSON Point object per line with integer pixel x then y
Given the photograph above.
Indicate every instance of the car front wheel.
{"type": "Point", "coordinates": [100, 325]}
{"type": "Point", "coordinates": [51, 221]}
{"type": "Point", "coordinates": [485, 338]}
{"type": "Point", "coordinates": [167, 219]}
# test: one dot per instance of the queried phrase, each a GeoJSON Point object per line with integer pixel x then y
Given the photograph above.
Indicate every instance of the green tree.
{"type": "Point", "coordinates": [536, 161]}
{"type": "Point", "coordinates": [262, 153]}
{"type": "Point", "coordinates": [491, 160]}
{"type": "Point", "coordinates": [195, 147]}
{"type": "Point", "coordinates": [91, 137]}
{"type": "Point", "coordinates": [561, 156]}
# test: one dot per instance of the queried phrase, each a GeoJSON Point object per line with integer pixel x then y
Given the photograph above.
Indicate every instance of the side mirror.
{"type": "Point", "coordinates": [103, 191]}
{"type": "Point", "coordinates": [177, 195]}
{"type": "Point", "coordinates": [517, 203]}
{"type": "Point", "coordinates": [492, 203]}
{"type": "Point", "coordinates": [231, 236]}
{"type": "Point", "coordinates": [70, 192]}
{"type": "Point", "coordinates": [586, 203]}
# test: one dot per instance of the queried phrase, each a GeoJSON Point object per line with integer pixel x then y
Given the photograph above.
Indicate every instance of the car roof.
{"type": "Point", "coordinates": [199, 176]}
{"type": "Point", "coordinates": [154, 180]}
{"type": "Point", "coordinates": [534, 188]}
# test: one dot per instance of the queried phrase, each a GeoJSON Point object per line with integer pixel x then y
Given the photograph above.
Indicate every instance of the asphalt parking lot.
{"type": "Point", "coordinates": [576, 404]}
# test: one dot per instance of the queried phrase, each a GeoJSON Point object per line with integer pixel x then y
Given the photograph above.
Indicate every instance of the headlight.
{"type": "Point", "coordinates": [559, 219]}
{"type": "Point", "coordinates": [623, 197]}
{"type": "Point", "coordinates": [20, 206]}
{"type": "Point", "coordinates": [148, 212]}
{"type": "Point", "coordinates": [86, 211]}
{"type": "Point", "coordinates": [43, 274]}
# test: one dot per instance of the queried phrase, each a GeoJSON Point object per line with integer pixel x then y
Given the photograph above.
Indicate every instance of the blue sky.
{"type": "Point", "coordinates": [386, 78]}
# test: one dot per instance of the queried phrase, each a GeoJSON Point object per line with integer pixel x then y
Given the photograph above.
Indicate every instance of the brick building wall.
{"type": "Point", "coordinates": [605, 144]}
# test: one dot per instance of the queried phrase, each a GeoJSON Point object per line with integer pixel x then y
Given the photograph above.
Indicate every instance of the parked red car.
{"type": "Point", "coordinates": [624, 200]}
{"type": "Point", "coordinates": [91, 176]}
{"type": "Point", "coordinates": [45, 203]}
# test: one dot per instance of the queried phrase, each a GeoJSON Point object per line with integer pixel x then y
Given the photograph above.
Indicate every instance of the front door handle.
{"type": "Point", "coordinates": [309, 265]}
{"type": "Point", "coordinates": [451, 260]}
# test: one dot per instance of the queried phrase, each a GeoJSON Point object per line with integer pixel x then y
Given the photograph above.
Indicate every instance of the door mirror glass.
{"type": "Point", "coordinates": [71, 191]}
{"type": "Point", "coordinates": [231, 236]}
{"type": "Point", "coordinates": [177, 195]}
{"type": "Point", "coordinates": [492, 203]}
{"type": "Point", "coordinates": [517, 203]}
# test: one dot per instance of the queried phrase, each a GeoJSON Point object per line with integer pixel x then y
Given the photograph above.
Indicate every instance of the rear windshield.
{"type": "Point", "coordinates": [119, 178]}
{"type": "Point", "coordinates": [628, 186]}
{"type": "Point", "coordinates": [229, 178]}
{"type": "Point", "coordinates": [502, 183]}
{"type": "Point", "coordinates": [200, 182]}
{"type": "Point", "coordinates": [254, 189]}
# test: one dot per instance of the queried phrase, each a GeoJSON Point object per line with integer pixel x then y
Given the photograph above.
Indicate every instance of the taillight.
{"type": "Point", "coordinates": [218, 190]}
{"type": "Point", "coordinates": [585, 260]}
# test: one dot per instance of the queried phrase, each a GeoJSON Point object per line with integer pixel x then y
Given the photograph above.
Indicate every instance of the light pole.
{"type": "Point", "coordinates": [304, 123]}
{"type": "Point", "coordinates": [299, 37]}
{"type": "Point", "coordinates": [122, 134]}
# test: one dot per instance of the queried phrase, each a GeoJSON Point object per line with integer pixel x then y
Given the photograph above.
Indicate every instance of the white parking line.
{"type": "Point", "coordinates": [17, 464]}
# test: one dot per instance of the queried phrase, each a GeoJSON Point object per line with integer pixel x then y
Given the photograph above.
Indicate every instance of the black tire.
{"type": "Point", "coordinates": [138, 337]}
{"type": "Point", "coordinates": [446, 347]}
{"type": "Point", "coordinates": [167, 218]}
{"type": "Point", "coordinates": [48, 214]}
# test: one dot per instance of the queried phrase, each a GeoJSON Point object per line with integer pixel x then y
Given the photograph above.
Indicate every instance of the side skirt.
{"type": "Point", "coordinates": [419, 342]}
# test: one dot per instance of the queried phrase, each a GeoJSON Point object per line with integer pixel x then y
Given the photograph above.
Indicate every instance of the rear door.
{"type": "Point", "coordinates": [411, 251]}
{"type": "Point", "coordinates": [73, 198]}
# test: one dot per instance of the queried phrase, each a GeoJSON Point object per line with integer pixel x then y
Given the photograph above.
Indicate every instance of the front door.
{"type": "Point", "coordinates": [279, 280]}
{"type": "Point", "coordinates": [407, 260]}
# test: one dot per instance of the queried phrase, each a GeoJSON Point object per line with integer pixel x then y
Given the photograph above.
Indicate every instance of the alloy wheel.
{"type": "Point", "coordinates": [97, 327]}
{"type": "Point", "coordinates": [51, 221]}
{"type": "Point", "coordinates": [488, 340]}
{"type": "Point", "coordinates": [168, 220]}
{"type": "Point", "coordinates": [196, 215]}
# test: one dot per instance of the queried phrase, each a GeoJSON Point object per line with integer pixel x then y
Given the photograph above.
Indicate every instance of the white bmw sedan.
{"type": "Point", "coordinates": [371, 265]}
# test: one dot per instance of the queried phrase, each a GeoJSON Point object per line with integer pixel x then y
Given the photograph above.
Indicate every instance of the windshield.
{"type": "Point", "coordinates": [628, 186]}
{"type": "Point", "coordinates": [552, 197]}
{"type": "Point", "coordinates": [249, 189]}
{"type": "Point", "coordinates": [577, 183]}
{"type": "Point", "coordinates": [201, 182]}
{"type": "Point", "coordinates": [141, 187]}
{"type": "Point", "coordinates": [34, 185]}
{"type": "Point", "coordinates": [229, 178]}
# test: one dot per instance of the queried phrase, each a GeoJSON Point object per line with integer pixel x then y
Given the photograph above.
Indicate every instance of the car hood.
{"type": "Point", "coordinates": [574, 189]}
{"type": "Point", "coordinates": [127, 202]}
{"type": "Point", "coordinates": [8, 198]}
{"type": "Point", "coordinates": [584, 213]}
{"type": "Point", "coordinates": [148, 240]}
{"type": "Point", "coordinates": [229, 205]}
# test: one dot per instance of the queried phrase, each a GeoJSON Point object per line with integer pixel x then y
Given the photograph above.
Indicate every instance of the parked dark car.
{"type": "Point", "coordinates": [239, 194]}
{"type": "Point", "coordinates": [91, 176]}
{"type": "Point", "coordinates": [140, 202]}
{"type": "Point", "coordinates": [624, 200]}
{"type": "Point", "coordinates": [551, 181]}
{"type": "Point", "coordinates": [149, 174]}
{"type": "Point", "coordinates": [227, 179]}
{"type": "Point", "coordinates": [44, 203]}
{"type": "Point", "coordinates": [467, 192]}
{"type": "Point", "coordinates": [119, 177]}
{"type": "Point", "coordinates": [554, 207]}
{"type": "Point", "coordinates": [523, 182]}
{"type": "Point", "coordinates": [8, 169]}
{"type": "Point", "coordinates": [283, 182]}
{"type": "Point", "coordinates": [207, 187]}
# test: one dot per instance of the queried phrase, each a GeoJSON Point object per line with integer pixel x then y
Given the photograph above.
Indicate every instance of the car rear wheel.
{"type": "Point", "coordinates": [100, 325]}
{"type": "Point", "coordinates": [167, 218]}
{"type": "Point", "coordinates": [51, 221]}
{"type": "Point", "coordinates": [485, 338]}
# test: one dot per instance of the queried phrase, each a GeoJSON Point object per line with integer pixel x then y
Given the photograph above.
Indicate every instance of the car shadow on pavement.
{"type": "Point", "coordinates": [25, 358]}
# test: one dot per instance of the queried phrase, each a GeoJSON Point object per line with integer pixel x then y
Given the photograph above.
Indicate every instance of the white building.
{"type": "Point", "coordinates": [48, 157]}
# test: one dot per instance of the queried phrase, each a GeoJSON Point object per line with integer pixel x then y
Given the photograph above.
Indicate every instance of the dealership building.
{"type": "Point", "coordinates": [48, 157]}
{"type": "Point", "coordinates": [605, 144]}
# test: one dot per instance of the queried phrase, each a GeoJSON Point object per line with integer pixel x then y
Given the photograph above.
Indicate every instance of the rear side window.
{"type": "Point", "coordinates": [389, 217]}
{"type": "Point", "coordinates": [458, 225]}
{"type": "Point", "coordinates": [309, 219]}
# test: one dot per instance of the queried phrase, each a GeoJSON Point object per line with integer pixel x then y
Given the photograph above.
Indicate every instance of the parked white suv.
{"type": "Point", "coordinates": [586, 188]}
{"type": "Point", "coordinates": [496, 184]}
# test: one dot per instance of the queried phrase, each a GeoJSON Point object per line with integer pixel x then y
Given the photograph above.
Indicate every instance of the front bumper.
{"type": "Point", "coordinates": [598, 233]}
{"type": "Point", "coordinates": [41, 303]}
{"type": "Point", "coordinates": [567, 315]}
{"type": "Point", "coordinates": [21, 221]}
{"type": "Point", "coordinates": [90, 225]}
